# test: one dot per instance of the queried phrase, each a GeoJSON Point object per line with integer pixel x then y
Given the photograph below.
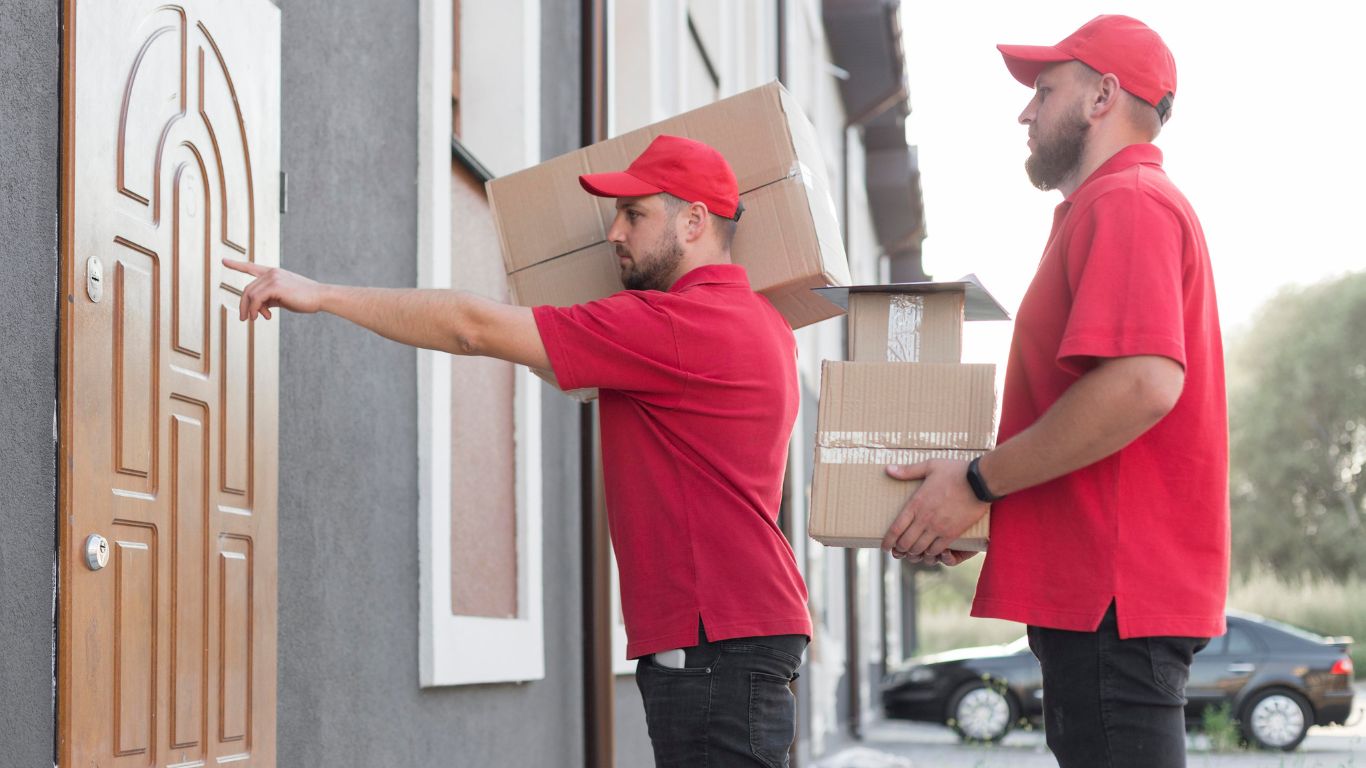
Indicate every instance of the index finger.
{"type": "Point", "coordinates": [255, 270]}
{"type": "Point", "coordinates": [904, 520]}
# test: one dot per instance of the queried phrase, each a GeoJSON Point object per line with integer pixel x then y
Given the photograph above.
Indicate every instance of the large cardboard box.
{"type": "Point", "coordinates": [554, 235]}
{"type": "Point", "coordinates": [879, 413]}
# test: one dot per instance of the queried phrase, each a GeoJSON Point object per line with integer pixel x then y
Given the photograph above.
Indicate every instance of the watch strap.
{"type": "Point", "coordinates": [979, 485]}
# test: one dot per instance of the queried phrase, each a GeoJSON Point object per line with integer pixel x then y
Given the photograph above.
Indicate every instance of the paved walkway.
{"type": "Point", "coordinates": [896, 744]}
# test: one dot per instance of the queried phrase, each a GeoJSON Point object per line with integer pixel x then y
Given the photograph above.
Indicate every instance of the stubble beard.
{"type": "Point", "coordinates": [1057, 155]}
{"type": "Point", "coordinates": [653, 270]}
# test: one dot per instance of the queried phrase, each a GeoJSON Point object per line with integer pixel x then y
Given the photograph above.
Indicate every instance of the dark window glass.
{"type": "Point", "coordinates": [1215, 647]}
{"type": "Point", "coordinates": [1240, 642]}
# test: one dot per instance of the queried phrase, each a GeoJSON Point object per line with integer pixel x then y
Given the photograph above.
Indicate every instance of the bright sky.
{"type": "Point", "coordinates": [1267, 139]}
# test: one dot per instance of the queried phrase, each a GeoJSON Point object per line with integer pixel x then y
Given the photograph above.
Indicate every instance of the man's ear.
{"type": "Point", "coordinates": [696, 221]}
{"type": "Point", "coordinates": [1107, 95]}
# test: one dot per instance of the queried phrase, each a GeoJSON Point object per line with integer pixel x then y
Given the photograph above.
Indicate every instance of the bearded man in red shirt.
{"type": "Point", "coordinates": [1109, 482]}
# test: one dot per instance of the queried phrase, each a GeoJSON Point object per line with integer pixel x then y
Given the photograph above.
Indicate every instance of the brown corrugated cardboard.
{"type": "Point", "coordinates": [906, 327]}
{"type": "Point", "coordinates": [875, 414]}
{"type": "Point", "coordinates": [584, 275]}
{"type": "Point", "coordinates": [836, 489]}
{"type": "Point", "coordinates": [908, 405]}
{"type": "Point", "coordinates": [788, 238]}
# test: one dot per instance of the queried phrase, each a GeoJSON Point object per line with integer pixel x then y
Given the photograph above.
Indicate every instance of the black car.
{"type": "Point", "coordinates": [1277, 680]}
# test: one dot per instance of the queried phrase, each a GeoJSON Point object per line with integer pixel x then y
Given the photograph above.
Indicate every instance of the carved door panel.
{"type": "Point", "coordinates": [170, 145]}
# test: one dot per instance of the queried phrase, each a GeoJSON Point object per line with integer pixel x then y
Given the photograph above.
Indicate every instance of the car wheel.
{"type": "Point", "coordinates": [981, 711]}
{"type": "Point", "coordinates": [1277, 719]}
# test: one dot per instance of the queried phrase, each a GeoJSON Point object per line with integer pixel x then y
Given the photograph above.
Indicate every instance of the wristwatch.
{"type": "Point", "coordinates": [979, 486]}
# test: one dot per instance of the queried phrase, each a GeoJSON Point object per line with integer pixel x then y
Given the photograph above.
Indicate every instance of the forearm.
{"type": "Point", "coordinates": [1105, 410]}
{"type": "Point", "coordinates": [448, 321]}
{"type": "Point", "coordinates": [429, 318]}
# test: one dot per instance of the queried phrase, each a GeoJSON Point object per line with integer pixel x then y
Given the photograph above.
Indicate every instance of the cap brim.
{"type": "Point", "coordinates": [616, 184]}
{"type": "Point", "coordinates": [1025, 62]}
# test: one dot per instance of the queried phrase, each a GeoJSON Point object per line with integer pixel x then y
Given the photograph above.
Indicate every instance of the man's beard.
{"type": "Point", "coordinates": [1057, 155]}
{"type": "Point", "coordinates": [654, 270]}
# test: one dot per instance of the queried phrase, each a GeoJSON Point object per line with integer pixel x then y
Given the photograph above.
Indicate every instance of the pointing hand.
{"type": "Point", "coordinates": [274, 287]}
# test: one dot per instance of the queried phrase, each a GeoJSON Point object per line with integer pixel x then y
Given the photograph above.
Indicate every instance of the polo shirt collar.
{"type": "Point", "coordinates": [1134, 154]}
{"type": "Point", "coordinates": [711, 274]}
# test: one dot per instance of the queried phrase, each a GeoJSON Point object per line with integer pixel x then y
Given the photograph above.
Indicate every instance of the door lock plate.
{"type": "Point", "coordinates": [94, 279]}
{"type": "Point", "coordinates": [96, 551]}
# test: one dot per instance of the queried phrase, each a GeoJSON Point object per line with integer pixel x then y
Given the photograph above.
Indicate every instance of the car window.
{"type": "Point", "coordinates": [1289, 629]}
{"type": "Point", "coordinates": [1240, 642]}
{"type": "Point", "coordinates": [1215, 647]}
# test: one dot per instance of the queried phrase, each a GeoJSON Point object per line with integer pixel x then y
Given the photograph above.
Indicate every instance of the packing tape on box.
{"type": "Point", "coordinates": [803, 171]}
{"type": "Point", "coordinates": [904, 315]}
{"type": "Point", "coordinates": [827, 455]}
{"type": "Point", "coordinates": [888, 440]}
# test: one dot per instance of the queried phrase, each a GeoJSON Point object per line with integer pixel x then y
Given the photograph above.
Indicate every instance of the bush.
{"type": "Point", "coordinates": [1297, 432]}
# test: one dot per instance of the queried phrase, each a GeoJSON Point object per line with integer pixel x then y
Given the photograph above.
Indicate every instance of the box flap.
{"type": "Point", "coordinates": [543, 211]}
{"type": "Point", "coordinates": [772, 243]}
{"type": "Point", "coordinates": [979, 303]}
{"type": "Point", "coordinates": [584, 275]}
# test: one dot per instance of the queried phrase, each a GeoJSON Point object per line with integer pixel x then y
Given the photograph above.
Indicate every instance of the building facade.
{"type": "Point", "coordinates": [429, 582]}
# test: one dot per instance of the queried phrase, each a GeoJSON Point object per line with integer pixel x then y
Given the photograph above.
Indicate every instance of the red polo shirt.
{"type": "Point", "coordinates": [697, 399]}
{"type": "Point", "coordinates": [1125, 272]}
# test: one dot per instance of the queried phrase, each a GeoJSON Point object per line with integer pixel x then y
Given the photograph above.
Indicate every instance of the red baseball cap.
{"type": "Point", "coordinates": [1119, 45]}
{"type": "Point", "coordinates": [686, 169]}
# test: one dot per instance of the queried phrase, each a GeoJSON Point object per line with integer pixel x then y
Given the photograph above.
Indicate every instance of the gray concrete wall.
{"type": "Point", "coordinates": [348, 688]}
{"type": "Point", "coordinates": [29, 135]}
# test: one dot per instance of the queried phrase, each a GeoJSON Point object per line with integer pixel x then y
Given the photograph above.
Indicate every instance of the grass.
{"type": "Point", "coordinates": [1315, 604]}
{"type": "Point", "coordinates": [1221, 728]}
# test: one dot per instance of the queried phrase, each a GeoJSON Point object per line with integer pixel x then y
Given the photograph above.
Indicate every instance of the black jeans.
{"type": "Point", "coordinates": [1112, 703]}
{"type": "Point", "coordinates": [730, 704]}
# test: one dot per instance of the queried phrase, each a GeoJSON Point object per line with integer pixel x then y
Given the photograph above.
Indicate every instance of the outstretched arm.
{"type": "Point", "coordinates": [449, 321]}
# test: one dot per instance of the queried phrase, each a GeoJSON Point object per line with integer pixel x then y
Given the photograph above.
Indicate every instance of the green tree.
{"type": "Point", "coordinates": [1297, 424]}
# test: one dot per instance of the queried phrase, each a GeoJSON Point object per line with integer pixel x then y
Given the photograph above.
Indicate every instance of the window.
{"type": "Point", "coordinates": [479, 420]}
{"type": "Point", "coordinates": [1241, 642]}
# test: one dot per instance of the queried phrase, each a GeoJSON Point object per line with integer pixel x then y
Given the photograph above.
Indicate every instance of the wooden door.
{"type": "Point", "coordinates": [170, 161]}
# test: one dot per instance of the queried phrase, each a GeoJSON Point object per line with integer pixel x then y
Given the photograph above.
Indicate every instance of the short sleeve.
{"type": "Point", "coordinates": [1124, 269]}
{"type": "Point", "coordinates": [625, 342]}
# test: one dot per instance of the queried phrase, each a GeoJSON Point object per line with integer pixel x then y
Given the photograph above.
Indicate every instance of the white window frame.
{"type": "Point", "coordinates": [463, 650]}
